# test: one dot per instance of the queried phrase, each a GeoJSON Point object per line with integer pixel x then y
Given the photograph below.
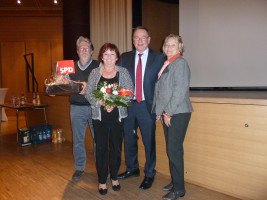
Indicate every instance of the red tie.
{"type": "Point", "coordinates": [139, 80]}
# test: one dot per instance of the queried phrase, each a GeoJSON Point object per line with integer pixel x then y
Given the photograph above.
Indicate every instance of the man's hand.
{"type": "Point", "coordinates": [84, 86]}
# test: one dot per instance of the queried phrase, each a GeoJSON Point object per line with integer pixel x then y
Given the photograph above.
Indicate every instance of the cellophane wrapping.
{"type": "Point", "coordinates": [60, 85]}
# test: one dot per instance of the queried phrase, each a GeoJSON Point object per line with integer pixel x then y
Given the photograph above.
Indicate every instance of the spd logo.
{"type": "Point", "coordinates": [65, 67]}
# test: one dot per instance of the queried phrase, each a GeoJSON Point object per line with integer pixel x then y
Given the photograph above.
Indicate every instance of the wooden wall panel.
{"type": "Point", "coordinates": [42, 60]}
{"type": "Point", "coordinates": [225, 146]}
{"type": "Point", "coordinates": [30, 28]}
{"type": "Point", "coordinates": [56, 54]}
{"type": "Point", "coordinates": [41, 36]}
{"type": "Point", "coordinates": [13, 68]}
{"type": "Point", "coordinates": [159, 26]}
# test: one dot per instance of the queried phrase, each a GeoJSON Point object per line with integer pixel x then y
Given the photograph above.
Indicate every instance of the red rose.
{"type": "Point", "coordinates": [108, 90]}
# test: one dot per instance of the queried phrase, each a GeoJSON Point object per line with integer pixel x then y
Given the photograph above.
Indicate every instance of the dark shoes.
{"type": "Point", "coordinates": [173, 195]}
{"type": "Point", "coordinates": [103, 191]}
{"type": "Point", "coordinates": [77, 175]}
{"type": "Point", "coordinates": [115, 187]}
{"type": "Point", "coordinates": [127, 174]}
{"type": "Point", "coordinates": [168, 187]}
{"type": "Point", "coordinates": [147, 183]}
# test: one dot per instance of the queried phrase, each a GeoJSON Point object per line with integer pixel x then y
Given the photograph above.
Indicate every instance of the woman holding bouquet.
{"type": "Point", "coordinates": [108, 118]}
{"type": "Point", "coordinates": [172, 105]}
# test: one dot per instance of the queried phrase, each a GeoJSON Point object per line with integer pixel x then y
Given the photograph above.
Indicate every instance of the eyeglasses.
{"type": "Point", "coordinates": [84, 49]}
{"type": "Point", "coordinates": [140, 38]}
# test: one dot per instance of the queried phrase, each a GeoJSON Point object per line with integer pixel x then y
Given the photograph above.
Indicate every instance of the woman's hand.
{"type": "Point", "coordinates": [101, 103]}
{"type": "Point", "coordinates": [158, 117]}
{"type": "Point", "coordinates": [167, 121]}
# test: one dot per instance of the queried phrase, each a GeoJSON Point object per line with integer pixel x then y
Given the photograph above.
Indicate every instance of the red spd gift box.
{"type": "Point", "coordinates": [65, 67]}
{"type": "Point", "coordinates": [59, 84]}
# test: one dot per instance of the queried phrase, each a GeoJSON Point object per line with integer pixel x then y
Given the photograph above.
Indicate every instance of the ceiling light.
{"type": "Point", "coordinates": [18, 1]}
{"type": "Point", "coordinates": [55, 1]}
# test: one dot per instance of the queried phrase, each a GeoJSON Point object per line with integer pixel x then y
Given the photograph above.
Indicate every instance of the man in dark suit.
{"type": "Point", "coordinates": [143, 65]}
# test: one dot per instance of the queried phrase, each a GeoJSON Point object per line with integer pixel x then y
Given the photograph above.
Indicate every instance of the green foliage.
{"type": "Point", "coordinates": [113, 98]}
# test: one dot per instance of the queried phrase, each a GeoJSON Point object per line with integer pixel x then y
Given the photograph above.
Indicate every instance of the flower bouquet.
{"type": "Point", "coordinates": [113, 95]}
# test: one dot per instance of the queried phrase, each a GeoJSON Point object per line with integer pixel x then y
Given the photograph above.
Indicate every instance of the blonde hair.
{"type": "Point", "coordinates": [179, 41]}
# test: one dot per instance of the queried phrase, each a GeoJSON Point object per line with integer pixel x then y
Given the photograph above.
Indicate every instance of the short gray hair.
{"type": "Point", "coordinates": [84, 39]}
{"type": "Point", "coordinates": [141, 28]}
{"type": "Point", "coordinates": [179, 41]}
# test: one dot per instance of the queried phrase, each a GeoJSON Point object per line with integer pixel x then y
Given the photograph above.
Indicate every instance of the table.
{"type": "Point", "coordinates": [25, 107]}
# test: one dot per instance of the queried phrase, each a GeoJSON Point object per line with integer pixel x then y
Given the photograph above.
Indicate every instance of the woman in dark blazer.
{"type": "Point", "coordinates": [172, 105]}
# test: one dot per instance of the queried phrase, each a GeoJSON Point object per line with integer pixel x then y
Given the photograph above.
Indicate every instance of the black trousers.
{"type": "Point", "coordinates": [174, 136]}
{"type": "Point", "coordinates": [108, 140]}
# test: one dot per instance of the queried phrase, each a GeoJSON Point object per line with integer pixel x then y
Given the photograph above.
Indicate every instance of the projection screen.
{"type": "Point", "coordinates": [225, 42]}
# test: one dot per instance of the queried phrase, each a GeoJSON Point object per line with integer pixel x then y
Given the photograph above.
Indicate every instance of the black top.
{"type": "Point", "coordinates": [114, 114]}
{"type": "Point", "coordinates": [82, 76]}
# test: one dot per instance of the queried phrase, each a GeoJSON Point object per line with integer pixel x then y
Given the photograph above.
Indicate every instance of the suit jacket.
{"type": "Point", "coordinates": [154, 63]}
{"type": "Point", "coordinates": [172, 89]}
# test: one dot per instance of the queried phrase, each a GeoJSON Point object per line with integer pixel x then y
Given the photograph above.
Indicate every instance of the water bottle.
{"type": "Point", "coordinates": [54, 136]}
{"type": "Point", "coordinates": [40, 134]}
{"type": "Point", "coordinates": [59, 135]}
{"type": "Point", "coordinates": [44, 135]}
{"type": "Point", "coordinates": [48, 134]}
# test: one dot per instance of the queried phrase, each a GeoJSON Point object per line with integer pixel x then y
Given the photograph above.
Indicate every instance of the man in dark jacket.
{"type": "Point", "coordinates": [143, 65]}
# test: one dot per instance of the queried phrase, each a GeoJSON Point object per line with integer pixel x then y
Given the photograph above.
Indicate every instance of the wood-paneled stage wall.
{"type": "Point", "coordinates": [41, 36]}
{"type": "Point", "coordinates": [225, 145]}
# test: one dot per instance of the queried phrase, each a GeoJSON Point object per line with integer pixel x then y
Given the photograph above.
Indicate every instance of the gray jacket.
{"type": "Point", "coordinates": [172, 89]}
{"type": "Point", "coordinates": [94, 77]}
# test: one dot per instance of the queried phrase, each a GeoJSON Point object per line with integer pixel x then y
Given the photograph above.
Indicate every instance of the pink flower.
{"type": "Point", "coordinates": [108, 90]}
